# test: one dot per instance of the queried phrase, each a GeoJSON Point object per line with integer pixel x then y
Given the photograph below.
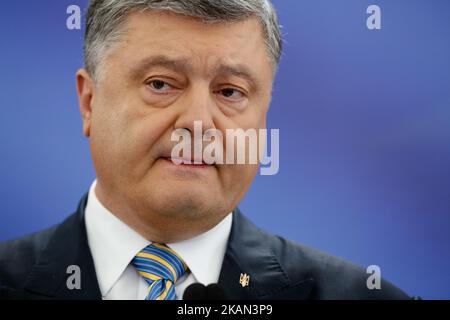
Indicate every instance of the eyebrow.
{"type": "Point", "coordinates": [240, 71]}
{"type": "Point", "coordinates": [140, 68]}
{"type": "Point", "coordinates": [181, 64]}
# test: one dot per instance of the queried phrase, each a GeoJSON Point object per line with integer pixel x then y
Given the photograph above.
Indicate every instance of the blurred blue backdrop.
{"type": "Point", "coordinates": [364, 119]}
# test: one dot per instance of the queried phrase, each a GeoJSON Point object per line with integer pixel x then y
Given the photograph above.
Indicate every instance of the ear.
{"type": "Point", "coordinates": [85, 90]}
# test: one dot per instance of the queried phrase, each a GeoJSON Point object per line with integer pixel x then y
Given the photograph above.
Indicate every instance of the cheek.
{"type": "Point", "coordinates": [257, 118]}
{"type": "Point", "coordinates": [254, 117]}
{"type": "Point", "coordinates": [114, 141]}
{"type": "Point", "coordinates": [106, 146]}
{"type": "Point", "coordinates": [237, 178]}
{"type": "Point", "coordinates": [138, 140]}
{"type": "Point", "coordinates": [236, 181]}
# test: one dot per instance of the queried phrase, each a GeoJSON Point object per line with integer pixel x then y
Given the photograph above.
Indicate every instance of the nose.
{"type": "Point", "coordinates": [197, 105]}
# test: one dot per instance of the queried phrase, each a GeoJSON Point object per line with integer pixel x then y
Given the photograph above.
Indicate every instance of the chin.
{"type": "Point", "coordinates": [185, 204]}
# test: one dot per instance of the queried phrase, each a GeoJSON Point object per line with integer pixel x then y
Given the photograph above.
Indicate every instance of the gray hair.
{"type": "Point", "coordinates": [105, 19]}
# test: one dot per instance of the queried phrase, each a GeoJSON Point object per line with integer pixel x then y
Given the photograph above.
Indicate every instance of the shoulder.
{"type": "Point", "coordinates": [334, 278]}
{"type": "Point", "coordinates": [18, 256]}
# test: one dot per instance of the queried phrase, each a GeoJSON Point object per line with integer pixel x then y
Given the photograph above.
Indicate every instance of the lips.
{"type": "Point", "coordinates": [186, 161]}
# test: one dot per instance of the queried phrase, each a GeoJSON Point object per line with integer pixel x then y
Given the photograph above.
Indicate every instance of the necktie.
{"type": "Point", "coordinates": [160, 267]}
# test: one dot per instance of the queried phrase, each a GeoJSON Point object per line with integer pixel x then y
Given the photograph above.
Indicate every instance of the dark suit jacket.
{"type": "Point", "coordinates": [35, 267]}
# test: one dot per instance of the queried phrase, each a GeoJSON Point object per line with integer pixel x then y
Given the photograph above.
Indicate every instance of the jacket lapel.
{"type": "Point", "coordinates": [249, 253]}
{"type": "Point", "coordinates": [68, 246]}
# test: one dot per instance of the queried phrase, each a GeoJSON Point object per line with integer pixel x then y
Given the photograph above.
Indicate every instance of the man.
{"type": "Point", "coordinates": [149, 227]}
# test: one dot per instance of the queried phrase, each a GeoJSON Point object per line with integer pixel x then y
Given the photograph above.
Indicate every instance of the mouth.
{"type": "Point", "coordinates": [187, 162]}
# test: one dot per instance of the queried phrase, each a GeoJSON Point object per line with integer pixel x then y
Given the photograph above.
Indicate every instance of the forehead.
{"type": "Point", "coordinates": [205, 44]}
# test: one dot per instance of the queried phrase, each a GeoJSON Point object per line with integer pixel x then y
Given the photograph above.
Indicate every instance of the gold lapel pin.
{"type": "Point", "coordinates": [244, 279]}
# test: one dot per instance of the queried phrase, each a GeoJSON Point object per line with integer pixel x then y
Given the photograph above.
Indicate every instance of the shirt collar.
{"type": "Point", "coordinates": [204, 253]}
{"type": "Point", "coordinates": [114, 244]}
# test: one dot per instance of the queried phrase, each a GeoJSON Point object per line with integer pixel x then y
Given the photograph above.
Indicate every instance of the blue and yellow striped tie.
{"type": "Point", "coordinates": [161, 267]}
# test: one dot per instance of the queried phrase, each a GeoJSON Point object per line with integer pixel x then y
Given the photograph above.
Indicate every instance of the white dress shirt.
{"type": "Point", "coordinates": [114, 244]}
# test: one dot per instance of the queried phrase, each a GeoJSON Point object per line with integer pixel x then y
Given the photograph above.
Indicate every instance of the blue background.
{"type": "Point", "coordinates": [364, 119]}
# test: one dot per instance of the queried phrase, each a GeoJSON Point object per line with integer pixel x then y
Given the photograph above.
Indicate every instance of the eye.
{"type": "Point", "coordinates": [232, 94]}
{"type": "Point", "coordinates": [159, 86]}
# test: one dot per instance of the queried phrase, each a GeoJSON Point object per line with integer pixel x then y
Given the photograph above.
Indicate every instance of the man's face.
{"type": "Point", "coordinates": [166, 73]}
